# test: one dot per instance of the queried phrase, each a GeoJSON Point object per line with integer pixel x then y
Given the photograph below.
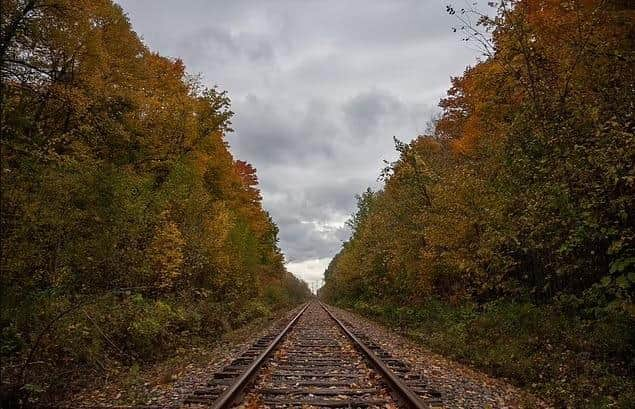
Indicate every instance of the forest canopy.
{"type": "Point", "coordinates": [127, 225]}
{"type": "Point", "coordinates": [521, 196]}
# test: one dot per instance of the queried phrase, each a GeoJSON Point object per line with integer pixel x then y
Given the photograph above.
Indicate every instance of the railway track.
{"type": "Point", "coordinates": [316, 360]}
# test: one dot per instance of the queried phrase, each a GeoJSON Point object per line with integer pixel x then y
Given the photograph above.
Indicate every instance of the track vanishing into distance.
{"type": "Point", "coordinates": [316, 360]}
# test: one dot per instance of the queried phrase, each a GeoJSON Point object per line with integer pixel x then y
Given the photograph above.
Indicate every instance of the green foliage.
{"type": "Point", "coordinates": [520, 195]}
{"type": "Point", "coordinates": [127, 226]}
{"type": "Point", "coordinates": [252, 310]}
{"type": "Point", "coordinates": [573, 361]}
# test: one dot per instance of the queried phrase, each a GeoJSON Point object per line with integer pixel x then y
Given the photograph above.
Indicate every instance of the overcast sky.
{"type": "Point", "coordinates": [319, 89]}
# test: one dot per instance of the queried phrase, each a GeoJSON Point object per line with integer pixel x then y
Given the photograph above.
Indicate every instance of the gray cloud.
{"type": "Point", "coordinates": [319, 88]}
{"type": "Point", "coordinates": [312, 222]}
{"type": "Point", "coordinates": [274, 133]}
{"type": "Point", "coordinates": [365, 112]}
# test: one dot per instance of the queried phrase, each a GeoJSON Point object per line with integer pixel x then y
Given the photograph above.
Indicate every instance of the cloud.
{"type": "Point", "coordinates": [312, 223]}
{"type": "Point", "coordinates": [367, 111]}
{"type": "Point", "coordinates": [319, 89]}
{"type": "Point", "coordinates": [273, 133]}
{"type": "Point", "coordinates": [310, 270]}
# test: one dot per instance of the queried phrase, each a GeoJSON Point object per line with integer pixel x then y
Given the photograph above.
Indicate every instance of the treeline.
{"type": "Point", "coordinates": [504, 237]}
{"type": "Point", "coordinates": [127, 225]}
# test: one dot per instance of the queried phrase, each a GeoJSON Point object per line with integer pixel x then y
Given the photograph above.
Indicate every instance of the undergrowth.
{"type": "Point", "coordinates": [572, 360]}
{"type": "Point", "coordinates": [114, 331]}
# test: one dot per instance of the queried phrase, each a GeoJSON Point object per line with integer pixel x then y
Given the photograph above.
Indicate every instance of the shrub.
{"type": "Point", "coordinates": [572, 361]}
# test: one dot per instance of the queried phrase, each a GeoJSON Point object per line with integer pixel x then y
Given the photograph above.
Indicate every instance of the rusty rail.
{"type": "Point", "coordinates": [409, 397]}
{"type": "Point", "coordinates": [233, 392]}
{"type": "Point", "coordinates": [403, 389]}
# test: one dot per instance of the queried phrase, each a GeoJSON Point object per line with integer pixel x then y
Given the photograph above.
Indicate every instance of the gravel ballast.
{"type": "Point", "coordinates": [460, 386]}
{"type": "Point", "coordinates": [166, 384]}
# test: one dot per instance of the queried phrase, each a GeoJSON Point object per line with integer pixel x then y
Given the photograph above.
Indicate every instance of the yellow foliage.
{"type": "Point", "coordinates": [166, 252]}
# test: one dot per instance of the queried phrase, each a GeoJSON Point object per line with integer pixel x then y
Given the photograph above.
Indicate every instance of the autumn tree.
{"type": "Point", "coordinates": [521, 192]}
{"type": "Point", "coordinates": [125, 219]}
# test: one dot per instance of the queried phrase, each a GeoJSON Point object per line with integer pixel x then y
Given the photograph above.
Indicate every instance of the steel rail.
{"type": "Point", "coordinates": [410, 398]}
{"type": "Point", "coordinates": [229, 396]}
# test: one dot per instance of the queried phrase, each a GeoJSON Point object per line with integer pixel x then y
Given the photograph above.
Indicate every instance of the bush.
{"type": "Point", "coordinates": [252, 310]}
{"type": "Point", "coordinates": [572, 361]}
